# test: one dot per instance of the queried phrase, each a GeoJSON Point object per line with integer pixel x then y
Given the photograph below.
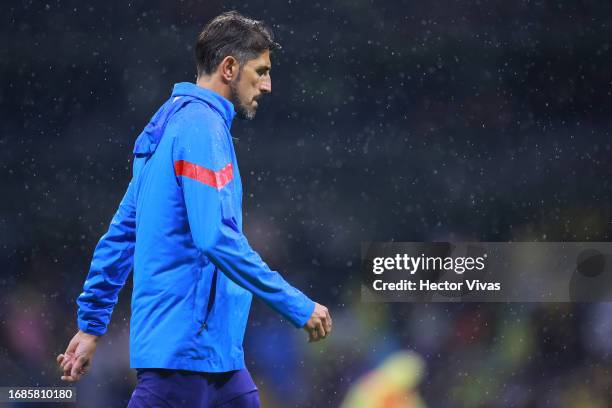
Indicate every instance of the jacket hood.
{"type": "Point", "coordinates": [182, 94]}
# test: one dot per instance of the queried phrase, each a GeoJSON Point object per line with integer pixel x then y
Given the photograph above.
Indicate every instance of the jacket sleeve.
{"type": "Point", "coordinates": [111, 264]}
{"type": "Point", "coordinates": [203, 166]}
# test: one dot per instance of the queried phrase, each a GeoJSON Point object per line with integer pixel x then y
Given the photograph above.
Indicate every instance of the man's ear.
{"type": "Point", "coordinates": [228, 68]}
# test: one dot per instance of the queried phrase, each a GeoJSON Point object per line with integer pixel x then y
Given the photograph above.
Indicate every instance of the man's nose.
{"type": "Point", "coordinates": [266, 85]}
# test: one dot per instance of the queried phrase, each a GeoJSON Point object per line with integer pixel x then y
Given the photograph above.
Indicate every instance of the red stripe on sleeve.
{"type": "Point", "coordinates": [216, 179]}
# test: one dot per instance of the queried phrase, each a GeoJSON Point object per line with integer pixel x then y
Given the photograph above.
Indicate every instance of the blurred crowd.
{"type": "Point", "coordinates": [403, 121]}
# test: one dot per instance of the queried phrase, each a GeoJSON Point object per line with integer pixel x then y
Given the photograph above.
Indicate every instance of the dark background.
{"type": "Point", "coordinates": [406, 121]}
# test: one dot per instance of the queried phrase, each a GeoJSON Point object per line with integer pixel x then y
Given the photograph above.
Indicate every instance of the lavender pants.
{"type": "Point", "coordinates": [177, 388]}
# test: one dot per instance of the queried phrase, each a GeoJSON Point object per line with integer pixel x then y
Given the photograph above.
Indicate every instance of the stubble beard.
{"type": "Point", "coordinates": [241, 109]}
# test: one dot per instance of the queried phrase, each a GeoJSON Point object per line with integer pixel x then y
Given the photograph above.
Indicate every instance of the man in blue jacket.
{"type": "Point", "coordinates": [179, 226]}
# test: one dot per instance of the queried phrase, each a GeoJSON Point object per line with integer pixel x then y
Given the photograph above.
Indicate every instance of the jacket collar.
{"type": "Point", "coordinates": [224, 107]}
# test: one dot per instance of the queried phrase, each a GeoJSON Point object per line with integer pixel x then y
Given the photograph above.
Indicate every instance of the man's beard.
{"type": "Point", "coordinates": [241, 109]}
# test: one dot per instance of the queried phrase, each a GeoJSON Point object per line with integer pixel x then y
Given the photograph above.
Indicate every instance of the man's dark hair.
{"type": "Point", "coordinates": [231, 34]}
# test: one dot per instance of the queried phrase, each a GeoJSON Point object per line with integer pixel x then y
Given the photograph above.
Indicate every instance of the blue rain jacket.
{"type": "Point", "coordinates": [179, 226]}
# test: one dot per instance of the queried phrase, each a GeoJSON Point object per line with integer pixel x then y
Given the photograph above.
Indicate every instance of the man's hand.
{"type": "Point", "coordinates": [76, 360]}
{"type": "Point", "coordinates": [319, 325]}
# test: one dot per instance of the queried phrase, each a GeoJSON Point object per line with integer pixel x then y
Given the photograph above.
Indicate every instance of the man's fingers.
{"type": "Point", "coordinates": [79, 367]}
{"type": "Point", "coordinates": [327, 322]}
{"type": "Point", "coordinates": [69, 355]}
{"type": "Point", "coordinates": [71, 346]}
{"type": "Point", "coordinates": [313, 333]}
{"type": "Point", "coordinates": [319, 326]}
{"type": "Point", "coordinates": [67, 369]}
{"type": "Point", "coordinates": [320, 329]}
{"type": "Point", "coordinates": [328, 328]}
{"type": "Point", "coordinates": [65, 363]}
{"type": "Point", "coordinates": [62, 360]}
{"type": "Point", "coordinates": [71, 377]}
{"type": "Point", "coordinates": [66, 357]}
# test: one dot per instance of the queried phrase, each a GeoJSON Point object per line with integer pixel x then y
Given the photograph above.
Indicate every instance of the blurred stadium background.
{"type": "Point", "coordinates": [408, 121]}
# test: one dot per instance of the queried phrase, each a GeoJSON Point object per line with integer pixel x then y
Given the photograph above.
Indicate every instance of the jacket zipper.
{"type": "Point", "coordinates": [211, 301]}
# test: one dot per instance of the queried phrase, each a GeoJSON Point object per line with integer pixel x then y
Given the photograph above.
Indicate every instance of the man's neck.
{"type": "Point", "coordinates": [213, 83]}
